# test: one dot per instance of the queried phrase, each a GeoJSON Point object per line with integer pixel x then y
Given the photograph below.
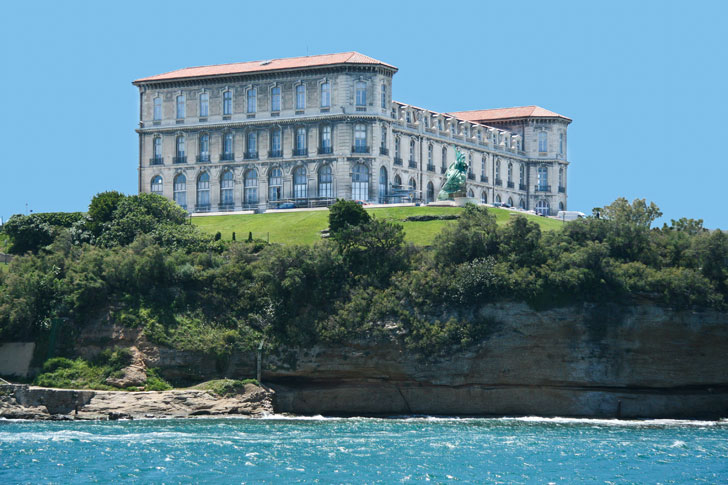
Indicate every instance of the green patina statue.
{"type": "Point", "coordinates": [456, 175]}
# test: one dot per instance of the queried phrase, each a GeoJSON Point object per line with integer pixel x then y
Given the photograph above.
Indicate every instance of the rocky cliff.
{"type": "Point", "coordinates": [588, 360]}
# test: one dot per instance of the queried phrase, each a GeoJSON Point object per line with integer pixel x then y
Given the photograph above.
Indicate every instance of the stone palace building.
{"type": "Point", "coordinates": [308, 130]}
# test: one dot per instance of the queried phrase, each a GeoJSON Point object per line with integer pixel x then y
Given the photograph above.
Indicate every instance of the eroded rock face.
{"type": "Point", "coordinates": [28, 402]}
{"type": "Point", "coordinates": [588, 360]}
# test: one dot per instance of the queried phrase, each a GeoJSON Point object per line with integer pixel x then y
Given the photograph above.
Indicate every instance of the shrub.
{"type": "Point", "coordinates": [345, 213]}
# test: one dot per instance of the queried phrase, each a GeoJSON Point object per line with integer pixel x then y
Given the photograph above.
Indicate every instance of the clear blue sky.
{"type": "Point", "coordinates": [644, 82]}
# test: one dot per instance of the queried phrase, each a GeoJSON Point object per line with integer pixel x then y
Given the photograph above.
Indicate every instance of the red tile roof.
{"type": "Point", "coordinates": [484, 115]}
{"type": "Point", "coordinates": [268, 65]}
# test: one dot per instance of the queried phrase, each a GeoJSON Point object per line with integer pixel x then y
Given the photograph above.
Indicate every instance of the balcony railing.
{"type": "Point", "coordinates": [300, 152]}
{"type": "Point", "coordinates": [360, 149]}
{"type": "Point", "coordinates": [430, 168]}
{"type": "Point", "coordinates": [412, 164]}
{"type": "Point", "coordinates": [275, 153]}
{"type": "Point", "coordinates": [521, 186]}
{"type": "Point", "coordinates": [249, 155]}
{"type": "Point", "coordinates": [202, 208]}
{"type": "Point", "coordinates": [383, 151]}
{"type": "Point", "coordinates": [542, 188]}
{"type": "Point", "coordinates": [398, 160]}
{"type": "Point", "coordinates": [156, 161]}
{"type": "Point", "coordinates": [203, 158]}
{"type": "Point", "coordinates": [511, 185]}
{"type": "Point", "coordinates": [499, 182]}
{"type": "Point", "coordinates": [180, 159]}
{"type": "Point", "coordinates": [325, 150]}
{"type": "Point", "coordinates": [225, 207]}
{"type": "Point", "coordinates": [227, 157]}
{"type": "Point", "coordinates": [484, 178]}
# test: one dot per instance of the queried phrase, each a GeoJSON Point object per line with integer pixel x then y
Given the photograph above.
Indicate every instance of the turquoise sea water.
{"type": "Point", "coordinates": [361, 450]}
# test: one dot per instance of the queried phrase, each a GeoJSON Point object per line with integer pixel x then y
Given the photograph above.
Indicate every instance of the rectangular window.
{"type": "Point", "coordinates": [542, 142]}
{"type": "Point", "coordinates": [384, 96]}
{"type": "Point", "coordinates": [227, 103]}
{"type": "Point", "coordinates": [326, 139]}
{"type": "Point", "coordinates": [360, 138]}
{"type": "Point", "coordinates": [275, 143]}
{"type": "Point", "coordinates": [204, 105]}
{"type": "Point", "coordinates": [275, 99]}
{"type": "Point", "coordinates": [157, 109]}
{"type": "Point", "coordinates": [300, 96]}
{"type": "Point", "coordinates": [301, 138]}
{"type": "Point", "coordinates": [252, 98]}
{"type": "Point", "coordinates": [180, 107]}
{"type": "Point", "coordinates": [325, 95]}
{"type": "Point", "coordinates": [384, 136]}
{"type": "Point", "coordinates": [561, 143]}
{"type": "Point", "coordinates": [361, 93]}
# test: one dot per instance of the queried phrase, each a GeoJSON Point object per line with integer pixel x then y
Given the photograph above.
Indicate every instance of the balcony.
{"type": "Point", "coordinates": [562, 190]}
{"type": "Point", "coordinates": [227, 157]}
{"type": "Point", "coordinates": [499, 182]}
{"type": "Point", "coordinates": [300, 152]}
{"type": "Point", "coordinates": [225, 207]}
{"type": "Point", "coordinates": [430, 168]}
{"type": "Point", "coordinates": [542, 188]}
{"type": "Point", "coordinates": [398, 161]}
{"type": "Point", "coordinates": [251, 155]}
{"type": "Point", "coordinates": [383, 151]}
{"type": "Point", "coordinates": [471, 176]}
{"type": "Point", "coordinates": [275, 153]}
{"type": "Point", "coordinates": [412, 164]}
{"type": "Point", "coordinates": [360, 149]}
{"type": "Point", "coordinates": [484, 178]}
{"type": "Point", "coordinates": [180, 159]}
{"type": "Point", "coordinates": [202, 208]}
{"type": "Point", "coordinates": [325, 150]}
{"type": "Point", "coordinates": [511, 185]}
{"type": "Point", "coordinates": [156, 160]}
{"type": "Point", "coordinates": [203, 158]}
{"type": "Point", "coordinates": [521, 186]}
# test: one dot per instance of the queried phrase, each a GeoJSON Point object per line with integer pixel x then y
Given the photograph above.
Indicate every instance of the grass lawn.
{"type": "Point", "coordinates": [304, 227]}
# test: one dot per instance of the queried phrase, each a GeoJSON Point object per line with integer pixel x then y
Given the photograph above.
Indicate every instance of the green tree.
{"type": "Point", "coordinates": [346, 213]}
{"type": "Point", "coordinates": [101, 210]}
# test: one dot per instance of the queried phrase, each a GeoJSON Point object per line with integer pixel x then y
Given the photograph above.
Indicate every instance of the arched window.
{"type": "Point", "coordinates": [360, 138]}
{"type": "Point", "coordinates": [275, 185]}
{"type": "Point", "coordinates": [326, 139]}
{"type": "Point", "coordinates": [522, 175]}
{"type": "Point", "coordinates": [180, 190]}
{"type": "Point", "coordinates": [252, 151]}
{"type": "Point", "coordinates": [484, 197]}
{"type": "Point", "coordinates": [510, 202]}
{"type": "Point", "coordinates": [180, 107]}
{"type": "Point", "coordinates": [226, 189]}
{"type": "Point", "coordinates": [252, 100]}
{"type": "Point", "coordinates": [300, 96]}
{"type": "Point", "coordinates": [522, 204]}
{"type": "Point", "coordinates": [325, 95]}
{"type": "Point", "coordinates": [157, 185]}
{"type": "Point", "coordinates": [430, 193]}
{"type": "Point", "coordinates": [275, 143]}
{"type": "Point", "coordinates": [397, 181]}
{"type": "Point", "coordinates": [498, 199]}
{"type": "Point", "coordinates": [383, 185]}
{"type": "Point", "coordinates": [300, 183]}
{"type": "Point", "coordinates": [180, 156]}
{"type": "Point", "coordinates": [251, 187]}
{"type": "Point", "coordinates": [227, 147]}
{"type": "Point", "coordinates": [325, 180]}
{"type": "Point", "coordinates": [157, 109]}
{"type": "Point", "coordinates": [360, 183]}
{"type": "Point", "coordinates": [412, 189]}
{"type": "Point", "coordinates": [204, 155]}
{"type": "Point", "coordinates": [203, 192]}
{"type": "Point", "coordinates": [510, 172]}
{"type": "Point", "coordinates": [204, 105]}
{"type": "Point", "coordinates": [561, 179]}
{"type": "Point", "coordinates": [561, 206]}
{"type": "Point", "coordinates": [300, 142]}
{"type": "Point", "coordinates": [543, 141]}
{"type": "Point", "coordinates": [471, 194]}
{"type": "Point", "coordinates": [361, 93]}
{"type": "Point", "coordinates": [543, 179]}
{"type": "Point", "coordinates": [227, 103]}
{"type": "Point", "coordinates": [542, 208]}
{"type": "Point", "coordinates": [275, 99]}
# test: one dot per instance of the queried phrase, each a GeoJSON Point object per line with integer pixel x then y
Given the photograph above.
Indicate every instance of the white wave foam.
{"type": "Point", "coordinates": [615, 422]}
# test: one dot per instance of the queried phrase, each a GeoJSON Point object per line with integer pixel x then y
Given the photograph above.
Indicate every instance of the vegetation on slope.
{"type": "Point", "coordinates": [139, 264]}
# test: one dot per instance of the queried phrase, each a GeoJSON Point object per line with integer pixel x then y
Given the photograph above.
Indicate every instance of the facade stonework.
{"type": "Point", "coordinates": [310, 130]}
